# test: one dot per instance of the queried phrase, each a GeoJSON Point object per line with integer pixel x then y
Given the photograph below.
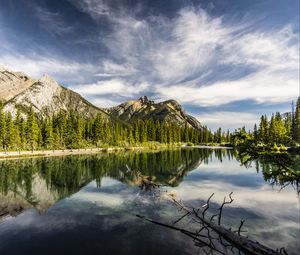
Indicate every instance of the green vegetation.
{"type": "Point", "coordinates": [68, 130]}
{"type": "Point", "coordinates": [276, 134]}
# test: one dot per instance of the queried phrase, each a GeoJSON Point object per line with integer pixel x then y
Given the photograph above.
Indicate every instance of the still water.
{"type": "Point", "coordinates": [87, 204]}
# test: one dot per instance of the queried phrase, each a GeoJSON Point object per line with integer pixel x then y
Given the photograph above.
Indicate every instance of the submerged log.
{"type": "Point", "coordinates": [234, 238]}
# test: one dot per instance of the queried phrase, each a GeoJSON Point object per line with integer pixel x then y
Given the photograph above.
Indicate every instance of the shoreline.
{"type": "Point", "coordinates": [50, 153]}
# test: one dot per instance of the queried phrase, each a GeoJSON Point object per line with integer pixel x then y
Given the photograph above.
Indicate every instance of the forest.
{"type": "Point", "coordinates": [67, 130]}
{"type": "Point", "coordinates": [277, 132]}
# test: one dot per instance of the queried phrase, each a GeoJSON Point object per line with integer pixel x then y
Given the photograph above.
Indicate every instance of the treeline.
{"type": "Point", "coordinates": [69, 130]}
{"type": "Point", "coordinates": [279, 130]}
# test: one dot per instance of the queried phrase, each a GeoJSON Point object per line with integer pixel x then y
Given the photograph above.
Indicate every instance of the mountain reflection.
{"type": "Point", "coordinates": [41, 182]}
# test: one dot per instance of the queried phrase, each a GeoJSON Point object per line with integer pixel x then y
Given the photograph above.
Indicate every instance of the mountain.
{"type": "Point", "coordinates": [143, 108]}
{"type": "Point", "coordinates": [13, 83]}
{"type": "Point", "coordinates": [46, 96]}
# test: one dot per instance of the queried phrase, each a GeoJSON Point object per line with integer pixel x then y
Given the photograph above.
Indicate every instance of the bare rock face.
{"type": "Point", "coordinates": [145, 109]}
{"type": "Point", "coordinates": [12, 83]}
{"type": "Point", "coordinates": [45, 96]}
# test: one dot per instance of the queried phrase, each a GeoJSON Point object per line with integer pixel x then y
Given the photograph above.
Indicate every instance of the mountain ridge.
{"type": "Point", "coordinates": [143, 108]}
{"type": "Point", "coordinates": [47, 97]}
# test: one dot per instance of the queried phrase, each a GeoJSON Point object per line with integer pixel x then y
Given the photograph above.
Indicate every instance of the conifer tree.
{"type": "Point", "coordinates": [32, 130]}
{"type": "Point", "coordinates": [98, 129]}
{"type": "Point", "coordinates": [297, 121]}
{"type": "Point", "coordinates": [2, 126]}
{"type": "Point", "coordinates": [8, 141]}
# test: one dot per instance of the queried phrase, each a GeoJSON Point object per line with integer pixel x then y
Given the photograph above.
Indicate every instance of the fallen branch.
{"type": "Point", "coordinates": [234, 238]}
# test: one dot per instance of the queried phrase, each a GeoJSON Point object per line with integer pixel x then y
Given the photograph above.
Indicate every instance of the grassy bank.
{"type": "Point", "coordinates": [42, 153]}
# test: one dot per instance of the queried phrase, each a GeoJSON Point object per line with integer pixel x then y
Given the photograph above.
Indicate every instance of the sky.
{"type": "Point", "coordinates": [226, 61]}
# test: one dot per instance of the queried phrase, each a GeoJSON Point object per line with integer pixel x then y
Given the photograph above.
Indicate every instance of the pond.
{"type": "Point", "coordinates": [87, 204]}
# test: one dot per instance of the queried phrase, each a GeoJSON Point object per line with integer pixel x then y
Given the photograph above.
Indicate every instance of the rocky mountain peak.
{"type": "Point", "coordinates": [12, 83]}
{"type": "Point", "coordinates": [48, 80]}
{"type": "Point", "coordinates": [145, 109]}
{"type": "Point", "coordinates": [45, 96]}
{"type": "Point", "coordinates": [145, 100]}
{"type": "Point", "coordinates": [3, 68]}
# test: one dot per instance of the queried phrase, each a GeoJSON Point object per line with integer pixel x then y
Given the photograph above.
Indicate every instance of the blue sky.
{"type": "Point", "coordinates": [227, 62]}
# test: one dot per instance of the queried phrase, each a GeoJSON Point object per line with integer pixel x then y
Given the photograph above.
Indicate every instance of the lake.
{"type": "Point", "coordinates": [87, 204]}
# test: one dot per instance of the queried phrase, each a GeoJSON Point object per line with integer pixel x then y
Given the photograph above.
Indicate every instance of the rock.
{"type": "Point", "coordinates": [145, 109]}
{"type": "Point", "coordinates": [45, 96]}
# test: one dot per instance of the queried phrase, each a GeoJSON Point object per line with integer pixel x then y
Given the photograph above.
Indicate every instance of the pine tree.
{"type": "Point", "coordinates": [8, 141]}
{"type": "Point", "coordinates": [280, 131]}
{"type": "Point", "coordinates": [186, 133]}
{"type": "Point", "coordinates": [264, 129]}
{"type": "Point", "coordinates": [143, 132]}
{"type": "Point", "coordinates": [288, 128]}
{"type": "Point", "coordinates": [32, 129]}
{"type": "Point", "coordinates": [131, 138]}
{"type": "Point", "coordinates": [272, 130]}
{"type": "Point", "coordinates": [297, 121]}
{"type": "Point", "coordinates": [48, 134]}
{"type": "Point", "coordinates": [17, 131]}
{"type": "Point", "coordinates": [98, 129]}
{"type": "Point", "coordinates": [2, 126]}
{"type": "Point", "coordinates": [255, 133]}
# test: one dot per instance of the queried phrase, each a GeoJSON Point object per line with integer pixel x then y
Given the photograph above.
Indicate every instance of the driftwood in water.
{"type": "Point", "coordinates": [233, 238]}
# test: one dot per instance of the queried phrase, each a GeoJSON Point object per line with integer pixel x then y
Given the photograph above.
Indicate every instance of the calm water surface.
{"type": "Point", "coordinates": [88, 204]}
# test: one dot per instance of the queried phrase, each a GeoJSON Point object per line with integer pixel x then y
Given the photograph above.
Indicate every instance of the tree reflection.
{"type": "Point", "coordinates": [40, 182]}
{"type": "Point", "coordinates": [281, 169]}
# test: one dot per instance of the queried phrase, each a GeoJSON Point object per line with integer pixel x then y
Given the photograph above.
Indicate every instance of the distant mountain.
{"type": "Point", "coordinates": [145, 109]}
{"type": "Point", "coordinates": [46, 96]}
{"type": "Point", "coordinates": [13, 83]}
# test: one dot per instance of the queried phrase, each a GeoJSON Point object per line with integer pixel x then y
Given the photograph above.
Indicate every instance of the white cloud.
{"type": "Point", "coordinates": [105, 102]}
{"type": "Point", "coordinates": [192, 57]}
{"type": "Point", "coordinates": [111, 69]}
{"type": "Point", "coordinates": [192, 46]}
{"type": "Point", "coordinates": [230, 120]}
{"type": "Point", "coordinates": [116, 86]}
{"type": "Point", "coordinates": [95, 8]}
{"type": "Point", "coordinates": [194, 39]}
{"type": "Point", "coordinates": [36, 66]}
{"type": "Point", "coordinates": [263, 86]}
{"type": "Point", "coordinates": [52, 22]}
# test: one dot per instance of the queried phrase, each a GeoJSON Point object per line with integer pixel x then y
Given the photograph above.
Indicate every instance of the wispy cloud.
{"type": "Point", "coordinates": [182, 57]}
{"type": "Point", "coordinates": [52, 22]}
{"type": "Point", "coordinates": [230, 120]}
{"type": "Point", "coordinates": [61, 69]}
{"type": "Point", "coordinates": [266, 86]}
{"type": "Point", "coordinates": [114, 87]}
{"type": "Point", "coordinates": [202, 60]}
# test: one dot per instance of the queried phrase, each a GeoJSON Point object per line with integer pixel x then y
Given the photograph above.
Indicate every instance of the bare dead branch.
{"type": "Point", "coordinates": [222, 206]}
{"type": "Point", "coordinates": [207, 205]}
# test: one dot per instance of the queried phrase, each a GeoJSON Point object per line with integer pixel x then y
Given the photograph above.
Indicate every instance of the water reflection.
{"type": "Point", "coordinates": [88, 189]}
{"type": "Point", "coordinates": [40, 182]}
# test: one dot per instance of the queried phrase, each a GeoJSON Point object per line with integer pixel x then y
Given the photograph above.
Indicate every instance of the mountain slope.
{"type": "Point", "coordinates": [47, 98]}
{"type": "Point", "coordinates": [143, 108]}
{"type": "Point", "coordinates": [45, 95]}
{"type": "Point", "coordinates": [13, 83]}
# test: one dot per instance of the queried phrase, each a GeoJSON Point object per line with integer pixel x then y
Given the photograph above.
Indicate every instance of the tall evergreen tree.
{"type": "Point", "coordinates": [32, 129]}
{"type": "Point", "coordinates": [2, 126]}
{"type": "Point", "coordinates": [297, 121]}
